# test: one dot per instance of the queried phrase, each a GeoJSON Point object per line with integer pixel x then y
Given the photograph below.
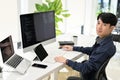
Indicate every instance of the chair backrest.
{"type": "Point", "coordinates": [101, 74]}
{"type": "Point", "coordinates": [116, 37]}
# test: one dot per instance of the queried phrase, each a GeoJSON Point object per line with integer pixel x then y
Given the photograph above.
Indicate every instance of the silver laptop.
{"type": "Point", "coordinates": [11, 59]}
{"type": "Point", "coordinates": [43, 55]}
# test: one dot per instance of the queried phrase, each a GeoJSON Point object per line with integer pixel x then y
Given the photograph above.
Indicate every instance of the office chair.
{"type": "Point", "coordinates": [116, 37]}
{"type": "Point", "coordinates": [100, 74]}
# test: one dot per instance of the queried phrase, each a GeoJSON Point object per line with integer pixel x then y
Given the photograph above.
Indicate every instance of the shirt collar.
{"type": "Point", "coordinates": [103, 40]}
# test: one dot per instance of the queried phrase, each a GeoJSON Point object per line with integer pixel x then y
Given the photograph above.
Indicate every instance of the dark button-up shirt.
{"type": "Point", "coordinates": [98, 54]}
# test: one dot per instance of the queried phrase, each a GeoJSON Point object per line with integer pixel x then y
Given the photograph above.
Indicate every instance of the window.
{"type": "Point", "coordinates": [73, 23]}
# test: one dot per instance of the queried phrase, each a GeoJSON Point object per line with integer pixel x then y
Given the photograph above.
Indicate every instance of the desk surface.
{"type": "Point", "coordinates": [38, 73]}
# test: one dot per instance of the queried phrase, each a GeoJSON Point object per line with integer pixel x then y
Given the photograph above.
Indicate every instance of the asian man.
{"type": "Point", "coordinates": [102, 50]}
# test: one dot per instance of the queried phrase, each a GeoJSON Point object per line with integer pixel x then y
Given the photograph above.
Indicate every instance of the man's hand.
{"type": "Point", "coordinates": [67, 47]}
{"type": "Point", "coordinates": [60, 59]}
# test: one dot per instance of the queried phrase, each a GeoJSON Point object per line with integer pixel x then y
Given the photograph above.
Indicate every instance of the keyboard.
{"type": "Point", "coordinates": [51, 56]}
{"type": "Point", "coordinates": [49, 59]}
{"type": "Point", "coordinates": [14, 61]}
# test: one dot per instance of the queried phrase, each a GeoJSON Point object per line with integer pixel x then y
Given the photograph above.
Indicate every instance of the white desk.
{"type": "Point", "coordinates": [38, 73]}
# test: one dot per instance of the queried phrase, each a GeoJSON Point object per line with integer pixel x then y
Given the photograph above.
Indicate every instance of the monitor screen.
{"type": "Point", "coordinates": [37, 27]}
{"type": "Point", "coordinates": [7, 49]}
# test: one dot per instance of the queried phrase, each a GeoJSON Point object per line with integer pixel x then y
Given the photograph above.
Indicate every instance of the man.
{"type": "Point", "coordinates": [102, 50]}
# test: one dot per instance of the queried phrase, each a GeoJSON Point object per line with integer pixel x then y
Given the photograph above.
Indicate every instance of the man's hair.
{"type": "Point", "coordinates": [108, 18]}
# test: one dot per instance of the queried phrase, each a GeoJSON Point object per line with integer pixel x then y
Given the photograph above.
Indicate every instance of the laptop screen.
{"type": "Point", "coordinates": [7, 49]}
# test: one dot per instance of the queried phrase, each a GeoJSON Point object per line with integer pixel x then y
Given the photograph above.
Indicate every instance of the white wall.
{"type": "Point", "coordinates": [90, 17]}
{"type": "Point", "coordinates": [8, 19]}
{"type": "Point", "coordinates": [76, 19]}
{"type": "Point", "coordinates": [28, 6]}
{"type": "Point", "coordinates": [32, 5]}
{"type": "Point", "coordinates": [113, 7]}
{"type": "Point", "coordinates": [83, 12]}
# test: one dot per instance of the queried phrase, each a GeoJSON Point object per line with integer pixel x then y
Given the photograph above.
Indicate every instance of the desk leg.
{"type": "Point", "coordinates": [54, 76]}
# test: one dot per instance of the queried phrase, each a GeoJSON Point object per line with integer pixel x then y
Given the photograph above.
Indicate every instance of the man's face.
{"type": "Point", "coordinates": [103, 29]}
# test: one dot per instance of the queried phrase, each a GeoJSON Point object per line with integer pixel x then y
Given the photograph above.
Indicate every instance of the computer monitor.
{"type": "Point", "coordinates": [37, 28]}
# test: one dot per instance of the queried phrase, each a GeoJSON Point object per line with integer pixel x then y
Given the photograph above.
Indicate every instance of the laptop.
{"type": "Point", "coordinates": [43, 56]}
{"type": "Point", "coordinates": [11, 59]}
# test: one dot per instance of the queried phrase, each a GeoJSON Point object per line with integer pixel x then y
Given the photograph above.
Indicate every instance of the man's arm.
{"type": "Point", "coordinates": [86, 50]}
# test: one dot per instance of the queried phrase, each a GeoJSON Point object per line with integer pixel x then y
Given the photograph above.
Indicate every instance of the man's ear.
{"type": "Point", "coordinates": [112, 27]}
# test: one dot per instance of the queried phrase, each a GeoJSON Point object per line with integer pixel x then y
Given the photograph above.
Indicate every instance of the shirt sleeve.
{"type": "Point", "coordinates": [92, 64]}
{"type": "Point", "coordinates": [96, 59]}
{"type": "Point", "coordinates": [84, 68]}
{"type": "Point", "coordinates": [86, 50]}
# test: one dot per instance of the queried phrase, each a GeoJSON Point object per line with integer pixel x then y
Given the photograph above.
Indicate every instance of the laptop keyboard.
{"type": "Point", "coordinates": [14, 61]}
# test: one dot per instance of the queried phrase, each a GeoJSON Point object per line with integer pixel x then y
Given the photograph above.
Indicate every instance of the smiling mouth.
{"type": "Point", "coordinates": [99, 31]}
